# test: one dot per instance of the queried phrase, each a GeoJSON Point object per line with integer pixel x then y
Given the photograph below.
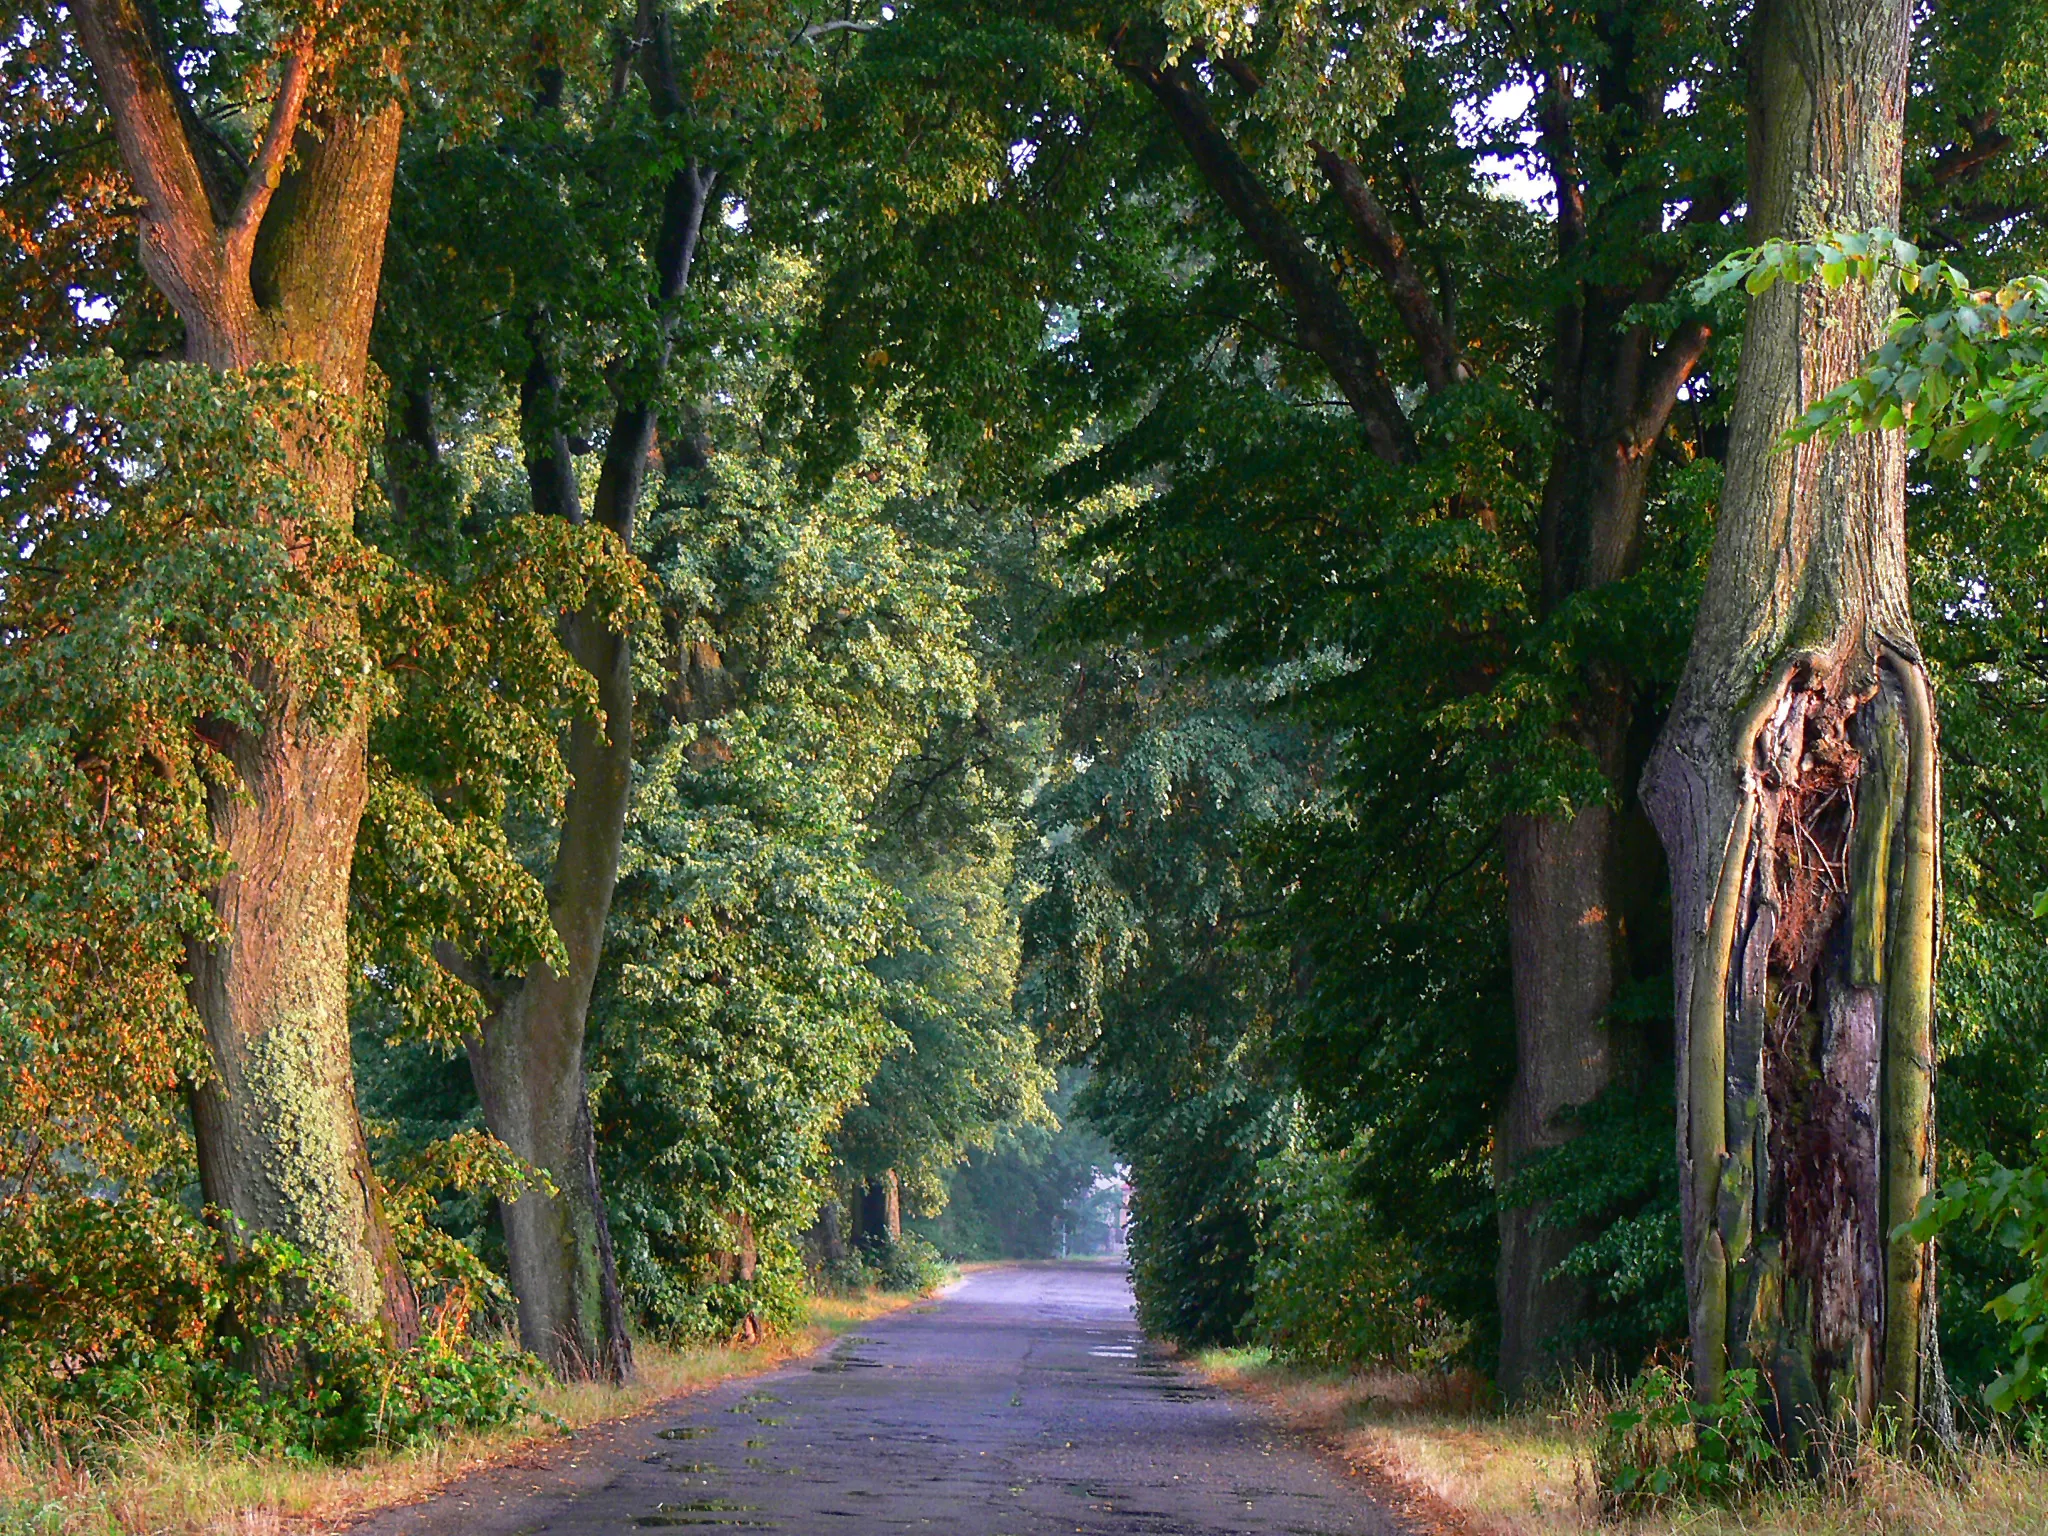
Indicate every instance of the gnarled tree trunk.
{"type": "Point", "coordinates": [280, 268]}
{"type": "Point", "coordinates": [1796, 788]}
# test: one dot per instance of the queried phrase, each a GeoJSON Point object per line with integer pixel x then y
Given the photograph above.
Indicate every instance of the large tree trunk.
{"type": "Point", "coordinates": [878, 1211]}
{"type": "Point", "coordinates": [1568, 886]}
{"type": "Point", "coordinates": [1612, 391]}
{"type": "Point", "coordinates": [528, 1058]}
{"type": "Point", "coordinates": [1796, 788]}
{"type": "Point", "coordinates": [279, 1139]}
{"type": "Point", "coordinates": [281, 269]}
{"type": "Point", "coordinates": [1565, 954]}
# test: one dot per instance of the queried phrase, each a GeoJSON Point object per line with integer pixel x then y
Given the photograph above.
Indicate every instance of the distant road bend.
{"type": "Point", "coordinates": [1023, 1403]}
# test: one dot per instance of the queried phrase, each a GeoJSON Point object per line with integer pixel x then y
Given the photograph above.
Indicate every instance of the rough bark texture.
{"type": "Point", "coordinates": [1796, 790]}
{"type": "Point", "coordinates": [1565, 954]}
{"type": "Point", "coordinates": [528, 1059]}
{"type": "Point", "coordinates": [276, 263]}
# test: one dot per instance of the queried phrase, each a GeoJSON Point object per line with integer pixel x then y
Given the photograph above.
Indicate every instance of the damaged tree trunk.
{"type": "Point", "coordinates": [276, 263]}
{"type": "Point", "coordinates": [1796, 788]}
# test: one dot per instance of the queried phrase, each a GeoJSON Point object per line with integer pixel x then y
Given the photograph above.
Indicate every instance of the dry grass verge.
{"type": "Point", "coordinates": [1459, 1467]}
{"type": "Point", "coordinates": [175, 1485]}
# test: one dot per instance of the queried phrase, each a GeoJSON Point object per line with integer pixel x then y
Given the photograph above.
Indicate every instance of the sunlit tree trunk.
{"type": "Point", "coordinates": [1797, 789]}
{"type": "Point", "coordinates": [879, 1210]}
{"type": "Point", "coordinates": [278, 264]}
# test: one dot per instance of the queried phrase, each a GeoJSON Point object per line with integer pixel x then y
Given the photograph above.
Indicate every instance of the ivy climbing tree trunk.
{"type": "Point", "coordinates": [276, 262]}
{"type": "Point", "coordinates": [1796, 788]}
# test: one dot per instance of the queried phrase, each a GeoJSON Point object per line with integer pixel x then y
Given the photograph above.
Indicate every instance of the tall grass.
{"type": "Point", "coordinates": [1443, 1444]}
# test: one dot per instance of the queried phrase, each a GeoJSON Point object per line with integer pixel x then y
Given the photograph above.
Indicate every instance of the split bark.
{"type": "Point", "coordinates": [1796, 788]}
{"type": "Point", "coordinates": [276, 263]}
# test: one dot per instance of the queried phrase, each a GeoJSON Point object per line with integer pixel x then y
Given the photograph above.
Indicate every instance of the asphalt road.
{"type": "Point", "coordinates": [1023, 1403]}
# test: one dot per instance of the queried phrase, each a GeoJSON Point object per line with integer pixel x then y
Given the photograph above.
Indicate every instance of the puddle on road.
{"type": "Point", "coordinates": [686, 1432]}
{"type": "Point", "coordinates": [719, 1512]}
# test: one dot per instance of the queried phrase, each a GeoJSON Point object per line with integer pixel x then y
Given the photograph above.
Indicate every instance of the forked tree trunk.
{"type": "Point", "coordinates": [280, 269]}
{"type": "Point", "coordinates": [1797, 788]}
{"type": "Point", "coordinates": [528, 1058]}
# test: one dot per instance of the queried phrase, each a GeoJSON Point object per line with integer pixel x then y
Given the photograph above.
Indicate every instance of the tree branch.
{"type": "Point", "coordinates": [1669, 370]}
{"type": "Point", "coordinates": [1959, 163]}
{"type": "Point", "coordinates": [818, 29]}
{"type": "Point", "coordinates": [1323, 319]}
{"type": "Point", "coordinates": [1442, 367]}
{"type": "Point", "coordinates": [550, 471]}
{"type": "Point", "coordinates": [480, 981]}
{"type": "Point", "coordinates": [656, 57]}
{"type": "Point", "coordinates": [624, 470]}
{"type": "Point", "coordinates": [179, 220]}
{"type": "Point", "coordinates": [1561, 155]}
{"type": "Point", "coordinates": [267, 169]}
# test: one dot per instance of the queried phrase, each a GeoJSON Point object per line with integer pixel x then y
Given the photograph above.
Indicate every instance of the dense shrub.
{"type": "Point", "coordinates": [2010, 1206]}
{"type": "Point", "coordinates": [1330, 1289]}
{"type": "Point", "coordinates": [710, 1303]}
{"type": "Point", "coordinates": [118, 1313]}
{"type": "Point", "coordinates": [907, 1264]}
{"type": "Point", "coordinates": [1659, 1446]}
{"type": "Point", "coordinates": [1196, 1206]}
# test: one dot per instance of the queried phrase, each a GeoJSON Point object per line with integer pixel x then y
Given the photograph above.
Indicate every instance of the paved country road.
{"type": "Point", "coordinates": [1022, 1403]}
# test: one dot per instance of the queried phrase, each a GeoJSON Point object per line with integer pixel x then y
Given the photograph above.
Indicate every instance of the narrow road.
{"type": "Point", "coordinates": [1023, 1403]}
